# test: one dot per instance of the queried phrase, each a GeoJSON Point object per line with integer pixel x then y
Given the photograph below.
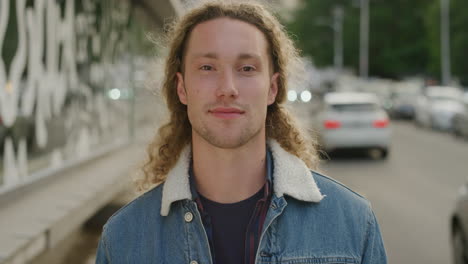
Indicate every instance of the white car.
{"type": "Point", "coordinates": [460, 120]}
{"type": "Point", "coordinates": [353, 120]}
{"type": "Point", "coordinates": [437, 106]}
{"type": "Point", "coordinates": [402, 104]}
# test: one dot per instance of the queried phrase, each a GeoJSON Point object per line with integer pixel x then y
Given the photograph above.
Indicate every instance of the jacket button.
{"type": "Point", "coordinates": [188, 218]}
{"type": "Point", "coordinates": [193, 262]}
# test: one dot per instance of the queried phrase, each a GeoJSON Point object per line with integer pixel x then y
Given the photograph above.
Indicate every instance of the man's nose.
{"type": "Point", "coordinates": [226, 86]}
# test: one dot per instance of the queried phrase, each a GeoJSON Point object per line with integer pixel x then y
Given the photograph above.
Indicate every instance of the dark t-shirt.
{"type": "Point", "coordinates": [229, 223]}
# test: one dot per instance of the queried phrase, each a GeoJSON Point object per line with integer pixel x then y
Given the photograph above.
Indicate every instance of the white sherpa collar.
{"type": "Point", "coordinates": [290, 176]}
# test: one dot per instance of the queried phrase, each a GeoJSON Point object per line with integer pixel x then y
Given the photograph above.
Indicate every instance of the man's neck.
{"type": "Point", "coordinates": [229, 175]}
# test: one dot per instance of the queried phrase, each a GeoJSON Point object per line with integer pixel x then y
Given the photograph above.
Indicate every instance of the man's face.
{"type": "Point", "coordinates": [227, 82]}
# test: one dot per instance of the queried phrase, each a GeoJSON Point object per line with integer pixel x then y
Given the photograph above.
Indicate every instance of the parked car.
{"type": "Point", "coordinates": [459, 227]}
{"type": "Point", "coordinates": [353, 120]}
{"type": "Point", "coordinates": [437, 106]}
{"type": "Point", "coordinates": [402, 104]}
{"type": "Point", "coordinates": [460, 120]}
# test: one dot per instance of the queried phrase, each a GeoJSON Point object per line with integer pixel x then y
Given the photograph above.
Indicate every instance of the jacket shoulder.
{"type": "Point", "coordinates": [332, 188]}
{"type": "Point", "coordinates": [144, 206]}
{"type": "Point", "coordinates": [131, 234]}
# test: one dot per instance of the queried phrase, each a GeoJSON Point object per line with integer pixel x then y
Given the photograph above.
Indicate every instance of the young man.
{"type": "Point", "coordinates": [232, 170]}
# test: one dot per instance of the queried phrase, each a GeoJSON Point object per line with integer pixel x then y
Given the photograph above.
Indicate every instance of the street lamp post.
{"type": "Point", "coordinates": [364, 40]}
{"type": "Point", "coordinates": [337, 27]}
{"type": "Point", "coordinates": [338, 39]}
{"type": "Point", "coordinates": [445, 40]}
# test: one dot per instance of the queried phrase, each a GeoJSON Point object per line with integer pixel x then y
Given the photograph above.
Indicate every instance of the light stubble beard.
{"type": "Point", "coordinates": [220, 140]}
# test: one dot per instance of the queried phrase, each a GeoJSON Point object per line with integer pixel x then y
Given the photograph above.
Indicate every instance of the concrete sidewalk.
{"type": "Point", "coordinates": [41, 218]}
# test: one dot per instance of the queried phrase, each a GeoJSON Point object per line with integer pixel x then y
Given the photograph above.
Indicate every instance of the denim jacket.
{"type": "Point", "coordinates": [311, 219]}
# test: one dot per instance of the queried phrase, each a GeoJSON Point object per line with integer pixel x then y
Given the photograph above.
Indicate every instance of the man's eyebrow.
{"type": "Point", "coordinates": [209, 55]}
{"type": "Point", "coordinates": [242, 56]}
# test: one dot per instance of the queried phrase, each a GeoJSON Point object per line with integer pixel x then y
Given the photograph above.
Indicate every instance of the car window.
{"type": "Point", "coordinates": [363, 107]}
{"type": "Point", "coordinates": [443, 98]}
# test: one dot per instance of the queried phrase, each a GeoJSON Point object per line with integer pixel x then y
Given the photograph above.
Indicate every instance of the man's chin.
{"type": "Point", "coordinates": [227, 140]}
{"type": "Point", "coordinates": [226, 143]}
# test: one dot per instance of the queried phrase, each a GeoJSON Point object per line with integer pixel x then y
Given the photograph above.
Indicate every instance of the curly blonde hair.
{"type": "Point", "coordinates": [165, 149]}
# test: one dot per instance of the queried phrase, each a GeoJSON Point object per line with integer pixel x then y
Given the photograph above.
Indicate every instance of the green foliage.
{"type": "Point", "coordinates": [313, 36]}
{"type": "Point", "coordinates": [398, 46]}
{"type": "Point", "coordinates": [458, 38]}
{"type": "Point", "coordinates": [404, 35]}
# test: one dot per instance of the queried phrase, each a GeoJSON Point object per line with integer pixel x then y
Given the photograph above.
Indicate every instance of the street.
{"type": "Point", "coordinates": [412, 193]}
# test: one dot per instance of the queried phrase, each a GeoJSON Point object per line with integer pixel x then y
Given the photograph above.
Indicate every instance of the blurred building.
{"type": "Point", "coordinates": [70, 75]}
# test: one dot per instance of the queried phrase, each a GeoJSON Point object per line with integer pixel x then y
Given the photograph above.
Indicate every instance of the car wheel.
{"type": "Point", "coordinates": [384, 154]}
{"type": "Point", "coordinates": [458, 246]}
{"type": "Point", "coordinates": [378, 153]}
{"type": "Point", "coordinates": [455, 128]}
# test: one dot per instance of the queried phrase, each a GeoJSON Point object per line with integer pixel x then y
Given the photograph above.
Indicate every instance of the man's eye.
{"type": "Point", "coordinates": [248, 68]}
{"type": "Point", "coordinates": [206, 68]}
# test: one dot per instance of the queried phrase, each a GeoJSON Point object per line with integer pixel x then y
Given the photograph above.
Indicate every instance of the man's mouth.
{"type": "Point", "coordinates": [226, 112]}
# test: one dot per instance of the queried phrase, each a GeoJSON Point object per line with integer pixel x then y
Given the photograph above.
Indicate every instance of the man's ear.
{"type": "Point", "coordinates": [273, 91]}
{"type": "Point", "coordinates": [181, 92]}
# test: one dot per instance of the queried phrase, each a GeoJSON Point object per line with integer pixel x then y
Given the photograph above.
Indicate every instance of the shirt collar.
{"type": "Point", "coordinates": [288, 173]}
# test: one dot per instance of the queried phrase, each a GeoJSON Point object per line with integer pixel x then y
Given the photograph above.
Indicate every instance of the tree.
{"type": "Point", "coordinates": [312, 30]}
{"type": "Point", "coordinates": [458, 39]}
{"type": "Point", "coordinates": [398, 44]}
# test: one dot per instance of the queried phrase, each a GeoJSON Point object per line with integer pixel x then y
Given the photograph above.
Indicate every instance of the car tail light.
{"type": "Point", "coordinates": [381, 123]}
{"type": "Point", "coordinates": [331, 124]}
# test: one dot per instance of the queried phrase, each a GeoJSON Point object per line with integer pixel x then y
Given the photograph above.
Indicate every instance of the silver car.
{"type": "Point", "coordinates": [437, 106]}
{"type": "Point", "coordinates": [460, 120]}
{"type": "Point", "coordinates": [402, 104]}
{"type": "Point", "coordinates": [353, 120]}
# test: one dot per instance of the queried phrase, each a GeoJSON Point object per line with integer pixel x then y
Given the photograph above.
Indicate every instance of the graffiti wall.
{"type": "Point", "coordinates": [65, 82]}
